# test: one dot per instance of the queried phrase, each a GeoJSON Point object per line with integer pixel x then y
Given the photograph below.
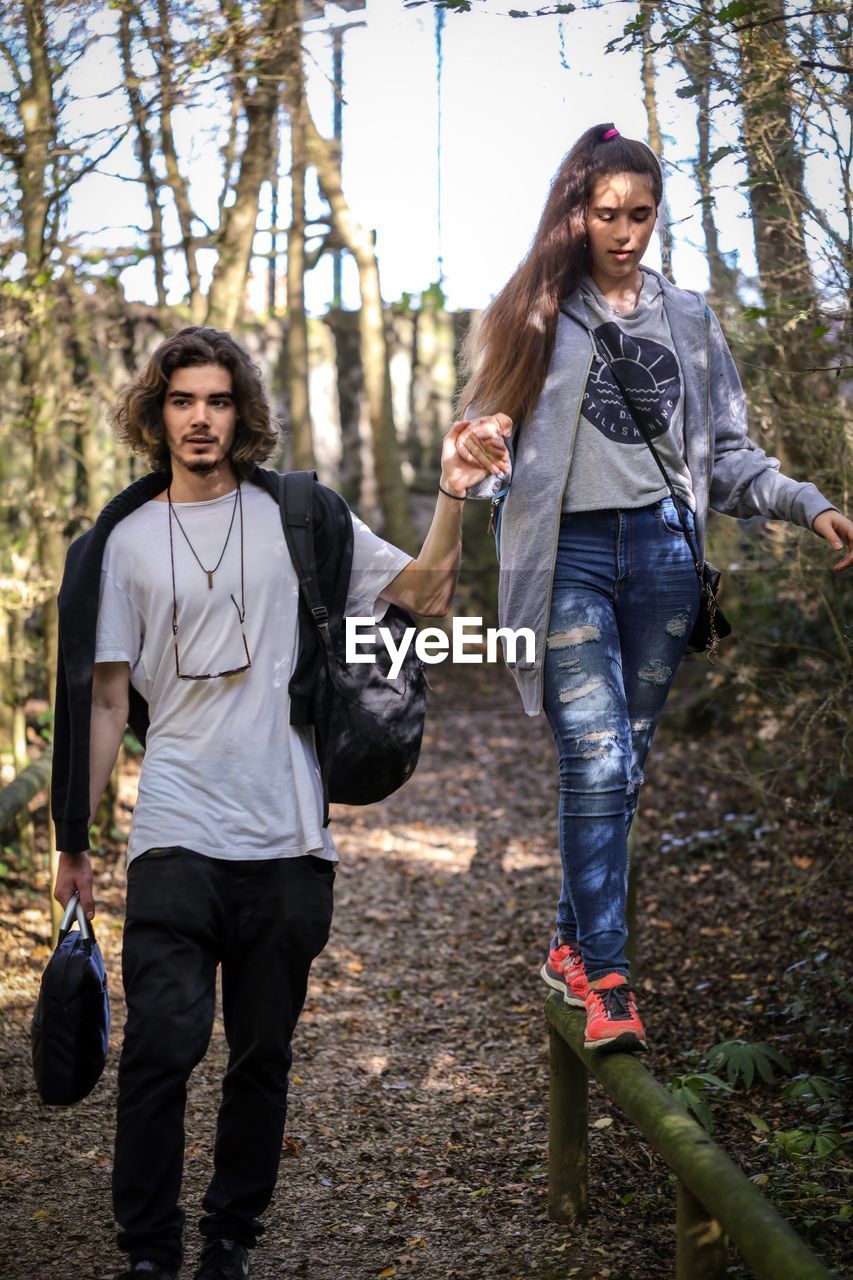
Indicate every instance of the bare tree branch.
{"type": "Point", "coordinates": [826, 66]}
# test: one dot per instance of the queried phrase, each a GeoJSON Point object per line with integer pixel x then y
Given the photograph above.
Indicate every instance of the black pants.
{"type": "Point", "coordinates": [264, 922]}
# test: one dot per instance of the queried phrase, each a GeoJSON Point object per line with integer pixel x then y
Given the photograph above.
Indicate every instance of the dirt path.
{"type": "Point", "coordinates": [417, 1135]}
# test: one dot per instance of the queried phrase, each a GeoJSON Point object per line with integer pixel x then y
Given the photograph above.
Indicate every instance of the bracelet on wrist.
{"type": "Point", "coordinates": [457, 497]}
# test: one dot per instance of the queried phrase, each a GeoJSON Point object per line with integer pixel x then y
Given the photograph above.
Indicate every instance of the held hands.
{"type": "Point", "coordinates": [474, 449]}
{"type": "Point", "coordinates": [838, 531]}
{"type": "Point", "coordinates": [74, 874]}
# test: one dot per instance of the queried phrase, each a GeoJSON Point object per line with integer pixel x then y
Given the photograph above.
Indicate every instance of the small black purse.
{"type": "Point", "coordinates": [711, 625]}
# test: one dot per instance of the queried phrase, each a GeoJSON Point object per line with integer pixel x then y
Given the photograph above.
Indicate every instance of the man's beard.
{"type": "Point", "coordinates": [201, 468]}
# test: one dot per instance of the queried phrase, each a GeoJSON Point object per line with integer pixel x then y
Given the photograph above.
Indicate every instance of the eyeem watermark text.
{"type": "Point", "coordinates": [466, 643]}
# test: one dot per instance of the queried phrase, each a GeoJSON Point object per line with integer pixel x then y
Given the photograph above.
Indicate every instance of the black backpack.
{"type": "Point", "coordinates": [367, 727]}
{"type": "Point", "coordinates": [71, 1024]}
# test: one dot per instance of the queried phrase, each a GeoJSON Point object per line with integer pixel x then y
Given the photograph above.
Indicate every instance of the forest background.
{"type": "Point", "coordinates": [206, 115]}
{"type": "Point", "coordinates": [255, 166]}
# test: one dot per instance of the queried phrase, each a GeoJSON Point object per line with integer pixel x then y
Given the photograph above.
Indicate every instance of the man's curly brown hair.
{"type": "Point", "coordinates": [138, 413]}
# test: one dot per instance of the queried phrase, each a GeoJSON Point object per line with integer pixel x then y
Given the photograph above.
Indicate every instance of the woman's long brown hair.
{"type": "Point", "coordinates": [506, 353]}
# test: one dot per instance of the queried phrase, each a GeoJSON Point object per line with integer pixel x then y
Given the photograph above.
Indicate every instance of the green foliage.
{"type": "Point", "coordinates": [434, 297]}
{"type": "Point", "coordinates": [690, 1090]}
{"type": "Point", "coordinates": [44, 724]}
{"type": "Point", "coordinates": [131, 743]}
{"type": "Point", "coordinates": [821, 1142]}
{"type": "Point", "coordinates": [738, 9]}
{"type": "Point", "coordinates": [533, 13]}
{"type": "Point", "coordinates": [742, 1061]}
{"type": "Point", "coordinates": [720, 154]}
{"type": "Point", "coordinates": [811, 1090]}
{"type": "Point", "coordinates": [454, 6]}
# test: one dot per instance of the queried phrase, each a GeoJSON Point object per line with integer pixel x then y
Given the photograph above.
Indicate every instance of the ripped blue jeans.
{"type": "Point", "coordinates": [624, 602]}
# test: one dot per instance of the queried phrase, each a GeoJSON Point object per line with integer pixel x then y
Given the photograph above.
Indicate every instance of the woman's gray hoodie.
{"type": "Point", "coordinates": [728, 471]}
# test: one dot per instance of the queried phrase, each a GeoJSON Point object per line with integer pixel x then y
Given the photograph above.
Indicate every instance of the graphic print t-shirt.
{"type": "Point", "coordinates": [612, 466]}
{"type": "Point", "coordinates": [224, 771]}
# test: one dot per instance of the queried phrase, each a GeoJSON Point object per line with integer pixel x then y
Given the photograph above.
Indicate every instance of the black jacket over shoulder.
{"type": "Point", "coordinates": [79, 594]}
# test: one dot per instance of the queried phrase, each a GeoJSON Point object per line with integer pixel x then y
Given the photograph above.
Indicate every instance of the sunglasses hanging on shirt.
{"type": "Point", "coordinates": [241, 607]}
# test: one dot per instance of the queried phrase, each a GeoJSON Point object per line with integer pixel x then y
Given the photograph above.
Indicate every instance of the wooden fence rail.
{"type": "Point", "coordinates": [21, 790]}
{"type": "Point", "coordinates": [715, 1199]}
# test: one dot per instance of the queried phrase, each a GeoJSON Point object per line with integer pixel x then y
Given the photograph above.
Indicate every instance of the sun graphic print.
{"type": "Point", "coordinates": [649, 373]}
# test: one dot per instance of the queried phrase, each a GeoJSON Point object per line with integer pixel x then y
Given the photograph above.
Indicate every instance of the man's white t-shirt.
{"type": "Point", "coordinates": [224, 772]}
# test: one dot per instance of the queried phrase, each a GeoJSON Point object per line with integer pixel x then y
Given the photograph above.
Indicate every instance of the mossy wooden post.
{"type": "Point", "coordinates": [768, 1244]}
{"type": "Point", "coordinates": [27, 785]}
{"type": "Point", "coordinates": [568, 1147]}
{"type": "Point", "coordinates": [701, 1248]}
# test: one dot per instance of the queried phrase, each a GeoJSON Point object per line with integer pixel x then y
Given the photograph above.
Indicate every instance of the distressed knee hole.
{"type": "Point", "coordinates": [595, 745]}
{"type": "Point", "coordinates": [655, 672]}
{"type": "Point", "coordinates": [642, 725]}
{"type": "Point", "coordinates": [575, 635]}
{"type": "Point", "coordinates": [677, 625]}
{"type": "Point", "coordinates": [635, 783]}
{"type": "Point", "coordinates": [582, 690]}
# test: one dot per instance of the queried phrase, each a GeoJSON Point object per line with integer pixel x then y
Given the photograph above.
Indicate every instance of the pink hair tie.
{"type": "Point", "coordinates": [611, 133]}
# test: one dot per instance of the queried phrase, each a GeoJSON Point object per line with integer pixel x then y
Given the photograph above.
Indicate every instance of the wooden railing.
{"type": "Point", "coordinates": [22, 789]}
{"type": "Point", "coordinates": [714, 1198]}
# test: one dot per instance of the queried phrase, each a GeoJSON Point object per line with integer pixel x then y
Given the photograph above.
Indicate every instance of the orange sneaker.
{"type": "Point", "coordinates": [612, 1021]}
{"type": "Point", "coordinates": [564, 971]}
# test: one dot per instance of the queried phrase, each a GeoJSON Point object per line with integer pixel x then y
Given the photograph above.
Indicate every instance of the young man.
{"type": "Point", "coordinates": [179, 614]}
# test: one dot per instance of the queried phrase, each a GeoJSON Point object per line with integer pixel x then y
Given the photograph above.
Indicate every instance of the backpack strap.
{"type": "Point", "coordinates": [296, 504]}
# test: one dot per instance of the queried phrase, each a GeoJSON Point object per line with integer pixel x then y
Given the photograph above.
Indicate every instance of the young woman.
{"type": "Point", "coordinates": [579, 345]}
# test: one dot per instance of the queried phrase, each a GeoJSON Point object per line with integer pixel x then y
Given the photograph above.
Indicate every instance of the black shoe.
{"type": "Point", "coordinates": [143, 1270]}
{"type": "Point", "coordinates": [223, 1260]}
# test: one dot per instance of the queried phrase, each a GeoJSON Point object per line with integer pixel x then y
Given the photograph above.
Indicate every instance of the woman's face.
{"type": "Point", "coordinates": [620, 220]}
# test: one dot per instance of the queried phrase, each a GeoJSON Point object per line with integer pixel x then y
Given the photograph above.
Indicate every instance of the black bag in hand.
{"type": "Point", "coordinates": [71, 1024]}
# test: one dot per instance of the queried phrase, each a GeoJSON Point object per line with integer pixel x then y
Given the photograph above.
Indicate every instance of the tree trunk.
{"type": "Point", "coordinates": [350, 384]}
{"type": "Point", "coordinates": [42, 355]}
{"type": "Point", "coordinates": [18, 672]}
{"type": "Point", "coordinates": [144, 150]}
{"type": "Point", "coordinates": [302, 449]}
{"type": "Point", "coordinates": [178, 186]}
{"type": "Point", "coordinates": [722, 279]}
{"type": "Point", "coordinates": [655, 140]}
{"type": "Point", "coordinates": [697, 60]}
{"type": "Point", "coordinates": [774, 166]}
{"type": "Point", "coordinates": [225, 302]}
{"type": "Point", "coordinates": [806, 403]}
{"type": "Point", "coordinates": [38, 123]}
{"type": "Point", "coordinates": [374, 344]}
{"type": "Point", "coordinates": [232, 13]}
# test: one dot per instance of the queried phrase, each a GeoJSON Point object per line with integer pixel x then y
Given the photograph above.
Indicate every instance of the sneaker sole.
{"type": "Point", "coordinates": [558, 984]}
{"type": "Point", "coordinates": [627, 1042]}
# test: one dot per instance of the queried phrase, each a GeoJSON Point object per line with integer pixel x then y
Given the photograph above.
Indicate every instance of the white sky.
{"type": "Point", "coordinates": [516, 94]}
{"type": "Point", "coordinates": [510, 111]}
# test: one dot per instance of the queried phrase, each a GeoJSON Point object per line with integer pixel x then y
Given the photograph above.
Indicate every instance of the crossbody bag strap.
{"type": "Point", "coordinates": [643, 430]}
{"type": "Point", "coordinates": [296, 505]}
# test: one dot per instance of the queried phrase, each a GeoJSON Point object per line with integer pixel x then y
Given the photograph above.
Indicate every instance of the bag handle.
{"type": "Point", "coordinates": [75, 909]}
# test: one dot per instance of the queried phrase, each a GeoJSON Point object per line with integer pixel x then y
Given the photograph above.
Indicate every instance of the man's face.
{"type": "Point", "coordinates": [200, 417]}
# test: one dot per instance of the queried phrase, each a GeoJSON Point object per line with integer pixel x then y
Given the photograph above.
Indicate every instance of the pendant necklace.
{"type": "Point", "coordinates": [209, 572]}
